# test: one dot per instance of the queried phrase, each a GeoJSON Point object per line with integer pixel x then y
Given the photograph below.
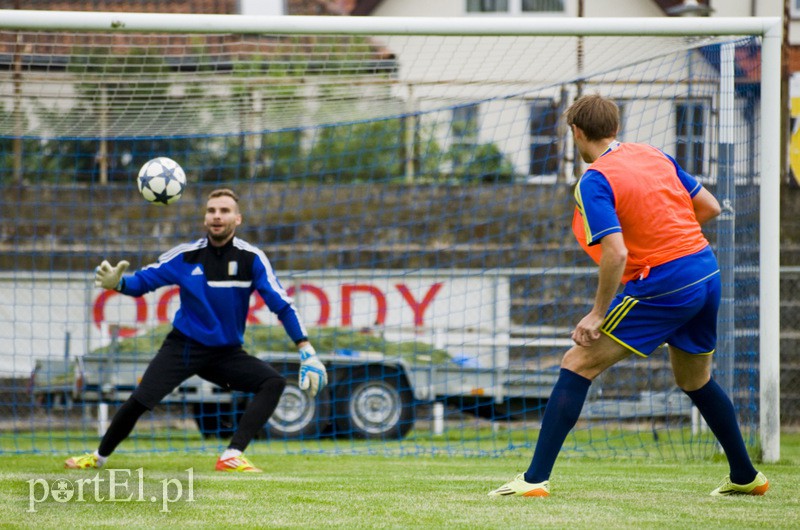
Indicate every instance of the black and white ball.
{"type": "Point", "coordinates": [161, 180]}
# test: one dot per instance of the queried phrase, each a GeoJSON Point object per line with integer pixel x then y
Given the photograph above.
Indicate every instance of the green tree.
{"type": "Point", "coordinates": [358, 152]}
{"type": "Point", "coordinates": [479, 162]}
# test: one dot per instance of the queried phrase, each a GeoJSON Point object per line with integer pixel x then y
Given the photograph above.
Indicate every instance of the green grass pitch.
{"type": "Point", "coordinates": [363, 491]}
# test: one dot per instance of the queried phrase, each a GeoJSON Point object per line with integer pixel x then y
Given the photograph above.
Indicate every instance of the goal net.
{"type": "Point", "coordinates": [411, 185]}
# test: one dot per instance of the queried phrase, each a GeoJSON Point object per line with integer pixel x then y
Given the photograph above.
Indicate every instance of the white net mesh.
{"type": "Point", "coordinates": [150, 85]}
{"type": "Point", "coordinates": [414, 195]}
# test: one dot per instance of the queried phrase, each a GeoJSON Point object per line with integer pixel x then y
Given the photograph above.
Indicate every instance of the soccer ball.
{"type": "Point", "coordinates": [161, 180]}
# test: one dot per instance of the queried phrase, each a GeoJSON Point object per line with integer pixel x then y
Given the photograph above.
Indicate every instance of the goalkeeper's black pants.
{"type": "Point", "coordinates": [229, 367]}
{"type": "Point", "coordinates": [258, 412]}
{"type": "Point", "coordinates": [255, 416]}
{"type": "Point", "coordinates": [121, 426]}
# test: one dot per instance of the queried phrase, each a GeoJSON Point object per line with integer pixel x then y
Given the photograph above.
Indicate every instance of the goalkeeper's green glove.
{"type": "Point", "coordinates": [312, 371]}
{"type": "Point", "coordinates": [109, 277]}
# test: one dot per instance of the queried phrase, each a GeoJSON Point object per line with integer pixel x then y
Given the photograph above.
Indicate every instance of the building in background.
{"type": "Point", "coordinates": [692, 117]}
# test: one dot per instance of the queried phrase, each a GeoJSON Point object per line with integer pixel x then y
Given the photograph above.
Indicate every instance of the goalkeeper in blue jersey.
{"type": "Point", "coordinates": [216, 274]}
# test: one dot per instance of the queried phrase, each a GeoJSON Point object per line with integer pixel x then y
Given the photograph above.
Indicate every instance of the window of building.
{"type": "Point", "coordinates": [487, 6]}
{"type": "Point", "coordinates": [542, 6]}
{"type": "Point", "coordinates": [795, 8]}
{"type": "Point", "coordinates": [464, 124]}
{"type": "Point", "coordinates": [621, 106]}
{"type": "Point", "coordinates": [467, 157]}
{"type": "Point", "coordinates": [690, 129]}
{"type": "Point", "coordinates": [544, 141]}
{"type": "Point", "coordinates": [515, 7]}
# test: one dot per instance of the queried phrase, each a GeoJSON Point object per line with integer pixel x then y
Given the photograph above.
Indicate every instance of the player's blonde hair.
{"type": "Point", "coordinates": [224, 192]}
{"type": "Point", "coordinates": [596, 116]}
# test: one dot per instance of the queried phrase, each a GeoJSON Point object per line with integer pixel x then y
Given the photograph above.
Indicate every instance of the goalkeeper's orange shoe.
{"type": "Point", "coordinates": [236, 464]}
{"type": "Point", "coordinates": [759, 486]}
{"type": "Point", "coordinates": [87, 461]}
{"type": "Point", "coordinates": [519, 488]}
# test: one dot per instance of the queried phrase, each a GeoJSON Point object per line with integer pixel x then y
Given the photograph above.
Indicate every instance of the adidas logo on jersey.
{"type": "Point", "coordinates": [197, 271]}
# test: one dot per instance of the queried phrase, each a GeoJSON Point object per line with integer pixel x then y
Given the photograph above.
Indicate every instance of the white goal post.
{"type": "Point", "coordinates": [768, 30]}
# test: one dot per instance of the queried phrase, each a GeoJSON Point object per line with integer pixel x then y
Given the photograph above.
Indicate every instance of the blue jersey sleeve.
{"type": "Point", "coordinates": [596, 202]}
{"type": "Point", "coordinates": [274, 295]}
{"type": "Point", "coordinates": [688, 181]}
{"type": "Point", "coordinates": [152, 276]}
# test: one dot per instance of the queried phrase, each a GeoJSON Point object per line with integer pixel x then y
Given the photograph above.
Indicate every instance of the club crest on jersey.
{"type": "Point", "coordinates": [233, 268]}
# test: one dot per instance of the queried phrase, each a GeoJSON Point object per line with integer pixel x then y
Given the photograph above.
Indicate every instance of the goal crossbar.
{"type": "Point", "coordinates": [138, 22]}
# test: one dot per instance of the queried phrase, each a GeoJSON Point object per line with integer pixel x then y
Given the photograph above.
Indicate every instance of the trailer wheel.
{"type": "Point", "coordinates": [298, 415]}
{"type": "Point", "coordinates": [217, 420]}
{"type": "Point", "coordinates": [375, 405]}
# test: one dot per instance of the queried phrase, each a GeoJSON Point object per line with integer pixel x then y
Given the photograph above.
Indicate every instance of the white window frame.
{"type": "Point", "coordinates": [515, 9]}
{"type": "Point", "coordinates": [471, 124]}
{"type": "Point", "coordinates": [794, 9]}
{"type": "Point", "coordinates": [542, 139]}
{"type": "Point", "coordinates": [701, 138]}
{"type": "Point", "coordinates": [487, 13]}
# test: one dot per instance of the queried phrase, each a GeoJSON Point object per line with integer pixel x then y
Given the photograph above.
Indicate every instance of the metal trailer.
{"type": "Point", "coordinates": [369, 395]}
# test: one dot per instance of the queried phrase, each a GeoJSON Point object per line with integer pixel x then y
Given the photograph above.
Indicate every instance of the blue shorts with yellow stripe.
{"type": "Point", "coordinates": [685, 319]}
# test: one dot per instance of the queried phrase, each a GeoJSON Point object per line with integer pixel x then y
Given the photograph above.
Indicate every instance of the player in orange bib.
{"type": "Point", "coordinates": [638, 215]}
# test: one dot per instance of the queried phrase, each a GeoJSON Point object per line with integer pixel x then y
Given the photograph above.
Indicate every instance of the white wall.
{"type": "Point", "coordinates": [457, 8]}
{"type": "Point", "coordinates": [595, 8]}
{"type": "Point", "coordinates": [591, 8]}
{"type": "Point", "coordinates": [747, 8]}
{"type": "Point", "coordinates": [420, 8]}
{"type": "Point", "coordinates": [261, 7]}
{"type": "Point", "coordinates": [619, 8]}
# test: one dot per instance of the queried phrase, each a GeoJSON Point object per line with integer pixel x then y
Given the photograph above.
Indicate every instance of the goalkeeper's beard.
{"type": "Point", "coordinates": [221, 237]}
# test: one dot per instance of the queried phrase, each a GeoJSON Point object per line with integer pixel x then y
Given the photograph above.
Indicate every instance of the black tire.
{"type": "Point", "coordinates": [298, 416]}
{"type": "Point", "coordinates": [374, 404]}
{"type": "Point", "coordinates": [217, 420]}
